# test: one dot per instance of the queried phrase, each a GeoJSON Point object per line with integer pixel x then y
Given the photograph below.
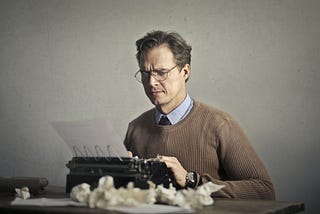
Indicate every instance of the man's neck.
{"type": "Point", "coordinates": [179, 113]}
{"type": "Point", "coordinates": [169, 107]}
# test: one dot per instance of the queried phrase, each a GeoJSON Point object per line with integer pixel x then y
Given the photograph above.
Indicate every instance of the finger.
{"type": "Point", "coordinates": [171, 162]}
{"type": "Point", "coordinates": [168, 159]}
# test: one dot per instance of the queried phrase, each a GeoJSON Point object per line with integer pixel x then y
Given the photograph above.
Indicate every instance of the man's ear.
{"type": "Point", "coordinates": [186, 71]}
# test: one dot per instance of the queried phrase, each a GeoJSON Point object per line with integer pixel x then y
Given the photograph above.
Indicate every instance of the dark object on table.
{"type": "Point", "coordinates": [123, 170]}
{"type": "Point", "coordinates": [35, 184]}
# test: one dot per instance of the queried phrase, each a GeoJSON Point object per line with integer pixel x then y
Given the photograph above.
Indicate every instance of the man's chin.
{"type": "Point", "coordinates": [157, 102]}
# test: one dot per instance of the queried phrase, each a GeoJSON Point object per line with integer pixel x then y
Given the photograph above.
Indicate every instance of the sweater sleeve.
{"type": "Point", "coordinates": [245, 176]}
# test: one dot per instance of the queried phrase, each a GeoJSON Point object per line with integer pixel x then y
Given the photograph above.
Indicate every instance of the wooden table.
{"type": "Point", "coordinates": [221, 206]}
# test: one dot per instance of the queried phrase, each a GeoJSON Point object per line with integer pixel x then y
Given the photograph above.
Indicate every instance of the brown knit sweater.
{"type": "Point", "coordinates": [209, 142]}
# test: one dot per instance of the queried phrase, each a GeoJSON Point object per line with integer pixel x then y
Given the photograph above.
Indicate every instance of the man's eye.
{"type": "Point", "coordinates": [145, 73]}
{"type": "Point", "coordinates": [160, 73]}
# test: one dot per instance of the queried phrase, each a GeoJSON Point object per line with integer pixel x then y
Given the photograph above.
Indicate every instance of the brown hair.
{"type": "Point", "coordinates": [179, 47]}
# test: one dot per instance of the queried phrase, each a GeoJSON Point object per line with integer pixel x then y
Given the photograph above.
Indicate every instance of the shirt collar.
{"type": "Point", "coordinates": [178, 113]}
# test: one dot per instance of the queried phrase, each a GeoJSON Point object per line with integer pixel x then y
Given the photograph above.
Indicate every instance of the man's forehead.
{"type": "Point", "coordinates": [158, 57]}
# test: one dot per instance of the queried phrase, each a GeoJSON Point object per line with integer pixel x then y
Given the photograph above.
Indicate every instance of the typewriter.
{"type": "Point", "coordinates": [123, 170]}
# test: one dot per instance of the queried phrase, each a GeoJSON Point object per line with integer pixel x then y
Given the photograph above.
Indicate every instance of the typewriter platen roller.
{"type": "Point", "coordinates": [123, 170]}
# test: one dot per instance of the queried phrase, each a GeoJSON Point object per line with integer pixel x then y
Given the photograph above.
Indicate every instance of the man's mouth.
{"type": "Point", "coordinates": [156, 92]}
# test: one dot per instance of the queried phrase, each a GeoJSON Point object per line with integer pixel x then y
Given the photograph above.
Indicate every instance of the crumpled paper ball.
{"type": "Point", "coordinates": [188, 198]}
{"type": "Point", "coordinates": [23, 193]}
{"type": "Point", "coordinates": [106, 195]}
{"type": "Point", "coordinates": [80, 193]}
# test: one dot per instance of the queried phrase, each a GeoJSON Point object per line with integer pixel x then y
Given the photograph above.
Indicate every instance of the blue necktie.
{"type": "Point", "coordinates": [164, 121]}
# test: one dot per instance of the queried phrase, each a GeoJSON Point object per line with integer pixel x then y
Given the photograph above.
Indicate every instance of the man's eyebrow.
{"type": "Point", "coordinates": [155, 69]}
{"type": "Point", "coordinates": [160, 69]}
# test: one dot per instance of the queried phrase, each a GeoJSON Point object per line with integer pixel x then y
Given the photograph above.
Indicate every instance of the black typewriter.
{"type": "Point", "coordinates": [123, 170]}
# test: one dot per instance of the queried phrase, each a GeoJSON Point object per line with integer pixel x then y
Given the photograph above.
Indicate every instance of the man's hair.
{"type": "Point", "coordinates": [178, 46]}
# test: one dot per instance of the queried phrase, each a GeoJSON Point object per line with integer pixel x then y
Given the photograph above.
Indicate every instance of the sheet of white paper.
{"type": "Point", "coordinates": [94, 137]}
{"type": "Point", "coordinates": [46, 202]}
{"type": "Point", "coordinates": [63, 202]}
{"type": "Point", "coordinates": [152, 208]}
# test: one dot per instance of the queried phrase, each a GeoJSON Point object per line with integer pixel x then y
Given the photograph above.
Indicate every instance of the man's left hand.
{"type": "Point", "coordinates": [179, 172]}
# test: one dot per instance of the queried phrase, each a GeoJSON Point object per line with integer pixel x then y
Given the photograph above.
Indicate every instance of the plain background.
{"type": "Point", "coordinates": [73, 60]}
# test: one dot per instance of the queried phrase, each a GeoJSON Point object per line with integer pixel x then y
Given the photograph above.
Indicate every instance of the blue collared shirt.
{"type": "Point", "coordinates": [178, 113]}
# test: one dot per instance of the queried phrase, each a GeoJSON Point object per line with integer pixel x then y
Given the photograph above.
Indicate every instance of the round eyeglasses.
{"type": "Point", "coordinates": [158, 74]}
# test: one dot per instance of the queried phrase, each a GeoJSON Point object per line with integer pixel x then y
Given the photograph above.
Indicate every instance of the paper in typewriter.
{"type": "Point", "coordinates": [94, 137]}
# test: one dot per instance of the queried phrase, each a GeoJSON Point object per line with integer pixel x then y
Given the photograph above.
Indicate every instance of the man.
{"type": "Point", "coordinates": [199, 143]}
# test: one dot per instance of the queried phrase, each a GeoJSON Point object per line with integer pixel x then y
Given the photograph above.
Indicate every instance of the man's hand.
{"type": "Point", "coordinates": [179, 172]}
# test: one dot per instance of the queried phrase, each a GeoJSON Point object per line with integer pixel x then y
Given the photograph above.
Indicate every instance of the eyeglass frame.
{"type": "Point", "coordinates": [154, 74]}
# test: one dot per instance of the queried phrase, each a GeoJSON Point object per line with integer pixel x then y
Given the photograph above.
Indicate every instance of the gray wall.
{"type": "Point", "coordinates": [73, 60]}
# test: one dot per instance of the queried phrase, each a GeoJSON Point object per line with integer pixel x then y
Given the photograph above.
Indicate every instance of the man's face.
{"type": "Point", "coordinates": [167, 94]}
